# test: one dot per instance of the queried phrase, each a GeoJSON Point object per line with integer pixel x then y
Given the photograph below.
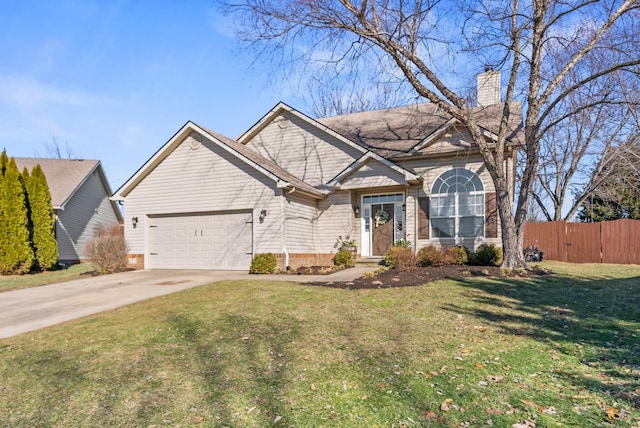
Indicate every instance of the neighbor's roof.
{"type": "Point", "coordinates": [64, 176]}
{"type": "Point", "coordinates": [397, 130]}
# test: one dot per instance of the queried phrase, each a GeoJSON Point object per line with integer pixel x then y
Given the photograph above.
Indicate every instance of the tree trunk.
{"type": "Point", "coordinates": [512, 237]}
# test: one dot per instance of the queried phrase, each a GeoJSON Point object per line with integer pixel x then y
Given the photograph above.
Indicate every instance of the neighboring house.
{"type": "Point", "coordinates": [291, 185]}
{"type": "Point", "coordinates": [80, 197]}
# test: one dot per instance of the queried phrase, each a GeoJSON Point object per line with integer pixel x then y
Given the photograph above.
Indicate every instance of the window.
{"type": "Point", "coordinates": [457, 205]}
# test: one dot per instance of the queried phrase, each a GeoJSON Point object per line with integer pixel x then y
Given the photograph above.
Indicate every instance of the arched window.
{"type": "Point", "coordinates": [457, 205]}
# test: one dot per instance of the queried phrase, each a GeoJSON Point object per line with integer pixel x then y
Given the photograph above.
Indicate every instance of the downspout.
{"type": "Point", "coordinates": [283, 215]}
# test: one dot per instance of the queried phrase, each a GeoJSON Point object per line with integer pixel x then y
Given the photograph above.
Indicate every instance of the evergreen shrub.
{"type": "Point", "coordinates": [42, 222]}
{"type": "Point", "coordinates": [16, 254]}
{"type": "Point", "coordinates": [344, 258]}
{"type": "Point", "coordinates": [263, 264]}
{"type": "Point", "coordinates": [459, 255]}
{"type": "Point", "coordinates": [487, 255]}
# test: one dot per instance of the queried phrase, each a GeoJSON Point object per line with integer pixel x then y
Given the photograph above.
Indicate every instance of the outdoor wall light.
{"type": "Point", "coordinates": [134, 221]}
{"type": "Point", "coordinates": [404, 207]}
{"type": "Point", "coordinates": [263, 213]}
{"type": "Point", "coordinates": [356, 209]}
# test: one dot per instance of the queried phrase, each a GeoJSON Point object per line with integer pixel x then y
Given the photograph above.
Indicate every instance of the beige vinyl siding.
{"type": "Point", "coordinates": [206, 179]}
{"type": "Point", "coordinates": [302, 149]}
{"type": "Point", "coordinates": [373, 174]}
{"type": "Point", "coordinates": [454, 138]}
{"type": "Point", "coordinates": [300, 224]}
{"type": "Point", "coordinates": [335, 219]}
{"type": "Point", "coordinates": [88, 208]}
{"type": "Point", "coordinates": [430, 170]}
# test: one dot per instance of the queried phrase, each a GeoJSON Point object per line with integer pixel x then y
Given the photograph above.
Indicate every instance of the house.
{"type": "Point", "coordinates": [292, 185]}
{"type": "Point", "coordinates": [80, 197]}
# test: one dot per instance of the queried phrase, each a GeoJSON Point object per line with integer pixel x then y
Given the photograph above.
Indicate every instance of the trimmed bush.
{"type": "Point", "coordinates": [264, 263]}
{"type": "Point", "coordinates": [107, 251]}
{"type": "Point", "coordinates": [401, 258]}
{"type": "Point", "coordinates": [487, 255]}
{"type": "Point", "coordinates": [459, 255]}
{"type": "Point", "coordinates": [344, 258]}
{"type": "Point", "coordinates": [432, 256]}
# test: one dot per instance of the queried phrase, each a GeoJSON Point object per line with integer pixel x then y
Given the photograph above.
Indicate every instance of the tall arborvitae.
{"type": "Point", "coordinates": [16, 255]}
{"type": "Point", "coordinates": [42, 220]}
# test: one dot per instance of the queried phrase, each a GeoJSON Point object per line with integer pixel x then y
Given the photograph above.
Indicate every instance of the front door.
{"type": "Point", "coordinates": [382, 223]}
{"type": "Point", "coordinates": [383, 228]}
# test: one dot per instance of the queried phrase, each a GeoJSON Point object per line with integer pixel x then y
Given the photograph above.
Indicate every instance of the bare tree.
{"type": "Point", "coordinates": [337, 97]}
{"type": "Point", "coordinates": [59, 149]}
{"type": "Point", "coordinates": [425, 40]}
{"type": "Point", "coordinates": [588, 129]}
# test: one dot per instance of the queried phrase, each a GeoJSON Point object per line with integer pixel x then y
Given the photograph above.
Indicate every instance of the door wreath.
{"type": "Point", "coordinates": [381, 217]}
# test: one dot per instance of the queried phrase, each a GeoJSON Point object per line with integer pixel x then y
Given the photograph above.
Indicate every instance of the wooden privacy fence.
{"type": "Point", "coordinates": [615, 241]}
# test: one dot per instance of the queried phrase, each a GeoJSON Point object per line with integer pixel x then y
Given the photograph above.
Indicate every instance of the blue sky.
{"type": "Point", "coordinates": [114, 80]}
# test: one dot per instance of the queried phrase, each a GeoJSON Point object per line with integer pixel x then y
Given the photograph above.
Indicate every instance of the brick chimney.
{"type": "Point", "coordinates": [489, 87]}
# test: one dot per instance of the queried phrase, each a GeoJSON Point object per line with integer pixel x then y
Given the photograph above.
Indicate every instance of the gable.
{"type": "Point", "coordinates": [199, 175]}
{"type": "Point", "coordinates": [454, 138]}
{"type": "Point", "coordinates": [246, 157]}
{"type": "Point", "coordinates": [372, 173]}
{"type": "Point", "coordinates": [302, 147]}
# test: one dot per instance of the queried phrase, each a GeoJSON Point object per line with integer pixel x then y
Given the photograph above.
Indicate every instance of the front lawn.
{"type": "Point", "coordinates": [550, 350]}
{"type": "Point", "coordinates": [36, 279]}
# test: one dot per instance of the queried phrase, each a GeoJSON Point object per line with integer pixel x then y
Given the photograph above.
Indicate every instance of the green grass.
{"type": "Point", "coordinates": [560, 350]}
{"type": "Point", "coordinates": [16, 282]}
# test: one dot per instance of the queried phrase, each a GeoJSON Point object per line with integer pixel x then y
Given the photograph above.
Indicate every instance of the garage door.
{"type": "Point", "coordinates": [201, 241]}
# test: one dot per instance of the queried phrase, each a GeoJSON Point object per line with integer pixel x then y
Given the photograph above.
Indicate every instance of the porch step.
{"type": "Point", "coordinates": [370, 261]}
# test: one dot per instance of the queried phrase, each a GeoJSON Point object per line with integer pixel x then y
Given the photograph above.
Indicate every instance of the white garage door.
{"type": "Point", "coordinates": [201, 241]}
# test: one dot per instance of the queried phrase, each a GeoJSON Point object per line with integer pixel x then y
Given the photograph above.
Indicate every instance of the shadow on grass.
{"type": "Point", "coordinates": [248, 359]}
{"type": "Point", "coordinates": [597, 320]}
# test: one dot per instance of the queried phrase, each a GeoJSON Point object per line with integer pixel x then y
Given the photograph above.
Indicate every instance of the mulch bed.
{"type": "Point", "coordinates": [421, 275]}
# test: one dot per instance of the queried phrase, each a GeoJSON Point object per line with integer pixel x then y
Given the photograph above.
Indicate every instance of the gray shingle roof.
{"type": "Point", "coordinates": [64, 176]}
{"type": "Point", "coordinates": [395, 131]}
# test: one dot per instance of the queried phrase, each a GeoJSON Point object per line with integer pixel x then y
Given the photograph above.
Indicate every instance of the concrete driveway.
{"type": "Point", "coordinates": [33, 308]}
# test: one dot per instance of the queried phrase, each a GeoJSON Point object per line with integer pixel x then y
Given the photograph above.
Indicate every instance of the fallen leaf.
{"type": "Point", "coordinates": [446, 405]}
{"type": "Point", "coordinates": [529, 403]}
{"type": "Point", "coordinates": [197, 420]}
{"type": "Point", "coordinates": [277, 419]}
{"type": "Point", "coordinates": [611, 413]}
{"type": "Point", "coordinates": [430, 415]}
{"type": "Point", "coordinates": [313, 386]}
{"type": "Point", "coordinates": [549, 410]}
{"type": "Point", "coordinates": [495, 411]}
{"type": "Point", "coordinates": [478, 365]}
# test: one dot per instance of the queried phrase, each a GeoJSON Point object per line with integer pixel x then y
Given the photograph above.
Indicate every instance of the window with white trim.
{"type": "Point", "coordinates": [457, 205]}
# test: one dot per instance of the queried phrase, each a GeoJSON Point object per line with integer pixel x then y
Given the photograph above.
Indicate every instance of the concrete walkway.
{"type": "Point", "coordinates": [33, 308]}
